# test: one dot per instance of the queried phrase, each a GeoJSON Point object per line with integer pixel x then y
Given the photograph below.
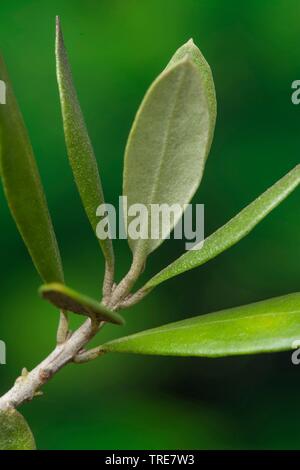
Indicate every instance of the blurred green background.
{"type": "Point", "coordinates": [116, 49]}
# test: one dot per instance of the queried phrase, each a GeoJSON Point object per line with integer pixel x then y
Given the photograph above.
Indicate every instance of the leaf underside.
{"type": "Point", "coordinates": [15, 433]}
{"type": "Point", "coordinates": [169, 142]}
{"type": "Point", "coordinates": [233, 231]}
{"type": "Point", "coordinates": [23, 188]}
{"type": "Point", "coordinates": [68, 299]}
{"type": "Point", "coordinates": [267, 326]}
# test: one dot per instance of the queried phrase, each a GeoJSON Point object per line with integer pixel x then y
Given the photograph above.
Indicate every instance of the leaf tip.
{"type": "Point", "coordinates": [57, 25]}
{"type": "Point", "coordinates": [190, 42]}
{"type": "Point", "coordinates": [59, 35]}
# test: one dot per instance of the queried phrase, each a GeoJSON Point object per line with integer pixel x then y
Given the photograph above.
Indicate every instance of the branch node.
{"type": "Point", "coordinates": [44, 375]}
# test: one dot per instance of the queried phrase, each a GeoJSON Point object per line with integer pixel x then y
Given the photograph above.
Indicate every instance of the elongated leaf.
{"type": "Point", "coordinates": [68, 299]}
{"type": "Point", "coordinates": [169, 143]}
{"type": "Point", "coordinates": [236, 229]}
{"type": "Point", "coordinates": [23, 188]}
{"type": "Point", "coordinates": [15, 433]}
{"type": "Point", "coordinates": [268, 326]}
{"type": "Point", "coordinates": [79, 147]}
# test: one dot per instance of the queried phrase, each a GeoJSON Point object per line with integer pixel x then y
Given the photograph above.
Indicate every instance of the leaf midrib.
{"type": "Point", "coordinates": [166, 329]}
{"type": "Point", "coordinates": [165, 139]}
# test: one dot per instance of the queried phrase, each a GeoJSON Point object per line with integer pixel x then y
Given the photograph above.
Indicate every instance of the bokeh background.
{"type": "Point", "coordinates": [116, 49]}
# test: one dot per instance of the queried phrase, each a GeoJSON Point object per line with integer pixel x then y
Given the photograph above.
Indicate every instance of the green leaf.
{"type": "Point", "coordinates": [23, 188]}
{"type": "Point", "coordinates": [268, 326]}
{"type": "Point", "coordinates": [15, 433]}
{"type": "Point", "coordinates": [68, 299]}
{"type": "Point", "coordinates": [169, 142]}
{"type": "Point", "coordinates": [79, 147]}
{"type": "Point", "coordinates": [232, 232]}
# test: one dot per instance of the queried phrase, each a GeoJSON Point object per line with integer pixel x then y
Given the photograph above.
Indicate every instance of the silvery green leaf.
{"type": "Point", "coordinates": [169, 143]}
{"type": "Point", "coordinates": [23, 188]}
{"type": "Point", "coordinates": [79, 147]}
{"type": "Point", "coordinates": [232, 232]}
